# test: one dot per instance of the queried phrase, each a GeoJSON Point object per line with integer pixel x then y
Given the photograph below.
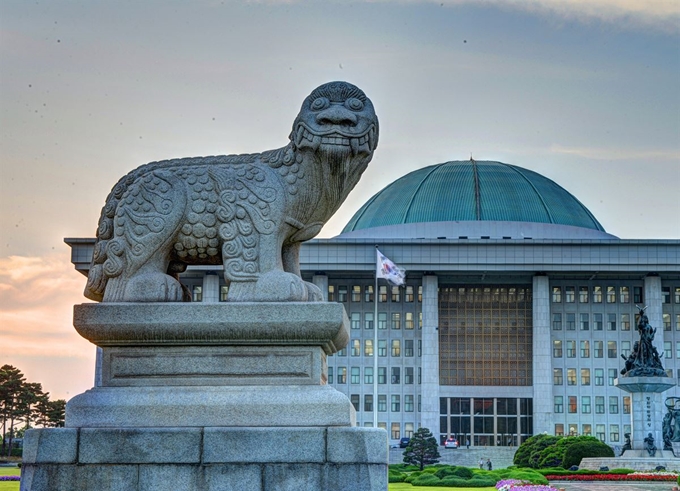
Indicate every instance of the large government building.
{"type": "Point", "coordinates": [516, 310]}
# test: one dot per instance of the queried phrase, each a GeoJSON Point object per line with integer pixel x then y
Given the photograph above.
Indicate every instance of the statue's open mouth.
{"type": "Point", "coordinates": [365, 142]}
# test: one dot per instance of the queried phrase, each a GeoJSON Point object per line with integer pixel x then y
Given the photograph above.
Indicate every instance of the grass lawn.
{"type": "Point", "coordinates": [9, 485]}
{"type": "Point", "coordinates": [404, 486]}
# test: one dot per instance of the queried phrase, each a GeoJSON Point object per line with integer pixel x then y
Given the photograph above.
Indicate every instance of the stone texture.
{"type": "Point", "coordinates": [355, 477]}
{"type": "Point", "coordinates": [50, 446]}
{"type": "Point", "coordinates": [264, 445]}
{"type": "Point", "coordinates": [236, 477]}
{"type": "Point", "coordinates": [251, 212]}
{"type": "Point", "coordinates": [357, 445]}
{"type": "Point", "coordinates": [265, 406]}
{"type": "Point", "coordinates": [140, 445]}
{"type": "Point", "coordinates": [79, 478]}
{"type": "Point", "coordinates": [294, 477]}
{"type": "Point", "coordinates": [165, 477]}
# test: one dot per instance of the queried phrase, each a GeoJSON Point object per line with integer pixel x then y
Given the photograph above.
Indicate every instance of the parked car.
{"type": "Point", "coordinates": [403, 443]}
{"type": "Point", "coordinates": [451, 443]}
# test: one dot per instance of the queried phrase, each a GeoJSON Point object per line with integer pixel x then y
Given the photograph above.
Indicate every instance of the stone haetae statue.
{"type": "Point", "coordinates": [649, 445]}
{"type": "Point", "coordinates": [247, 212]}
{"type": "Point", "coordinates": [644, 360]}
{"type": "Point", "coordinates": [671, 423]}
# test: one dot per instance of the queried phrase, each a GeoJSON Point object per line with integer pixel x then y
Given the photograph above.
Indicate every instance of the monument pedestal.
{"type": "Point", "coordinates": [207, 397]}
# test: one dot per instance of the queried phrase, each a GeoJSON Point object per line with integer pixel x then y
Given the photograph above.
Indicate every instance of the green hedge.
{"type": "Point", "coordinates": [580, 450]}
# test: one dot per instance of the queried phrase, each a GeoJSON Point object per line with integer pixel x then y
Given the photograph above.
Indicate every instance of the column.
{"type": "Point", "coordinates": [430, 357]}
{"type": "Point", "coordinates": [211, 287]}
{"type": "Point", "coordinates": [652, 300]}
{"type": "Point", "coordinates": [542, 362]}
{"type": "Point", "coordinates": [321, 280]}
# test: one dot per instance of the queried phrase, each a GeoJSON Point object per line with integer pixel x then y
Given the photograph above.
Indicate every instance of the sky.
{"type": "Point", "coordinates": [585, 92]}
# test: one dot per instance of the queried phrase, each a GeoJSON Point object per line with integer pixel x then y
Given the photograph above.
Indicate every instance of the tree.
{"type": "Point", "coordinates": [422, 450]}
{"type": "Point", "coordinates": [11, 384]}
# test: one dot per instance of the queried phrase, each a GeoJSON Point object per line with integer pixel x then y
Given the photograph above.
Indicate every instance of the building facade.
{"type": "Point", "coordinates": [516, 310]}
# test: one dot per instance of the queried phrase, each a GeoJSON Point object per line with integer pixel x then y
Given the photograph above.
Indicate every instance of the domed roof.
{"type": "Point", "coordinates": [472, 191]}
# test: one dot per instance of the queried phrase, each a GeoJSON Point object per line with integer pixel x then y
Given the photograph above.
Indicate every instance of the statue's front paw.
{"type": "Point", "coordinates": [314, 293]}
{"type": "Point", "coordinates": [279, 286]}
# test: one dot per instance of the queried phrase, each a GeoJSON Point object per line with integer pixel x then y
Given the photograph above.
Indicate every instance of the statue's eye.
{"type": "Point", "coordinates": [354, 104]}
{"type": "Point", "coordinates": [319, 104]}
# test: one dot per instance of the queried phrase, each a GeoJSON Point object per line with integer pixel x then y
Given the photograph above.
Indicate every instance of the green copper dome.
{"type": "Point", "coordinates": [472, 191]}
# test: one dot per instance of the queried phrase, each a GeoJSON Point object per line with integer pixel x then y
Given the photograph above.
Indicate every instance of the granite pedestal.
{"type": "Point", "coordinates": [203, 397]}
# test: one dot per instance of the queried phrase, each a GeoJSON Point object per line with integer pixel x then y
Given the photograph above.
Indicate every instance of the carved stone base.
{"type": "Point", "coordinates": [638, 460]}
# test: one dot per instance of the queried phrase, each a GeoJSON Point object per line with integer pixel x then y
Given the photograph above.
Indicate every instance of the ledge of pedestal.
{"type": "Point", "coordinates": [644, 384]}
{"type": "Point", "coordinates": [226, 324]}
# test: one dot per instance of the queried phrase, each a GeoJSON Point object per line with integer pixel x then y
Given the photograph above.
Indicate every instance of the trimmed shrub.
{"type": "Point", "coordinates": [533, 446]}
{"type": "Point", "coordinates": [574, 453]}
{"type": "Point", "coordinates": [396, 476]}
{"type": "Point", "coordinates": [426, 480]}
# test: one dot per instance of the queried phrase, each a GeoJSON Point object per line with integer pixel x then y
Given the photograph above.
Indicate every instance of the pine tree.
{"type": "Point", "coordinates": [422, 450]}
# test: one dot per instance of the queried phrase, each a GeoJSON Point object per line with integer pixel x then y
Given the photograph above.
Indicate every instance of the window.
{"type": "Point", "coordinates": [586, 429]}
{"type": "Point", "coordinates": [597, 322]}
{"type": "Point", "coordinates": [667, 350]}
{"type": "Point", "coordinates": [677, 349]}
{"type": "Point", "coordinates": [408, 294]}
{"type": "Point", "coordinates": [408, 347]}
{"type": "Point", "coordinates": [624, 294]}
{"type": "Point", "coordinates": [408, 430]}
{"type": "Point", "coordinates": [611, 294]}
{"type": "Point", "coordinates": [557, 348]}
{"type": "Point", "coordinates": [354, 399]}
{"type": "Point", "coordinates": [599, 404]}
{"type": "Point", "coordinates": [677, 294]}
{"type": "Point", "coordinates": [599, 376]}
{"type": "Point", "coordinates": [625, 322]}
{"type": "Point", "coordinates": [625, 348]}
{"type": "Point", "coordinates": [571, 376]}
{"type": "Point", "coordinates": [585, 324]}
{"type": "Point", "coordinates": [597, 294]}
{"type": "Point", "coordinates": [408, 375]}
{"type": "Point", "coordinates": [614, 433]}
{"type": "Point", "coordinates": [224, 293]}
{"type": "Point", "coordinates": [368, 375]}
{"type": "Point", "coordinates": [420, 320]}
{"type": "Point", "coordinates": [331, 293]}
{"type": "Point", "coordinates": [626, 404]}
{"type": "Point", "coordinates": [408, 403]}
{"type": "Point", "coordinates": [382, 375]}
{"type": "Point", "coordinates": [598, 348]}
{"type": "Point", "coordinates": [356, 347]}
{"type": "Point", "coordinates": [611, 322]}
{"type": "Point", "coordinates": [557, 376]}
{"type": "Point", "coordinates": [382, 347]}
{"type": "Point", "coordinates": [342, 375]}
{"type": "Point", "coordinates": [408, 321]}
{"type": "Point", "coordinates": [330, 375]}
{"type": "Point", "coordinates": [569, 294]}
{"type": "Point", "coordinates": [382, 403]}
{"type": "Point", "coordinates": [419, 402]}
{"type": "Point", "coordinates": [420, 348]}
{"type": "Point", "coordinates": [585, 376]}
{"type": "Point", "coordinates": [611, 349]}
{"type": "Point", "coordinates": [666, 321]}
{"type": "Point", "coordinates": [420, 293]}
{"type": "Point", "coordinates": [677, 322]}
{"type": "Point", "coordinates": [599, 432]}
{"type": "Point", "coordinates": [557, 322]}
{"type": "Point", "coordinates": [382, 294]}
{"type": "Point", "coordinates": [396, 347]}
{"type": "Point", "coordinates": [613, 405]}
{"type": "Point", "coordinates": [368, 347]}
{"type": "Point", "coordinates": [583, 294]}
{"type": "Point", "coordinates": [368, 293]}
{"type": "Point", "coordinates": [396, 320]}
{"type": "Point", "coordinates": [665, 294]}
{"type": "Point", "coordinates": [368, 320]}
{"type": "Point", "coordinates": [611, 376]}
{"type": "Point", "coordinates": [342, 293]}
{"type": "Point", "coordinates": [559, 429]}
{"type": "Point", "coordinates": [382, 320]}
{"type": "Point", "coordinates": [559, 404]}
{"type": "Point", "coordinates": [637, 294]}
{"type": "Point", "coordinates": [356, 293]}
{"type": "Point", "coordinates": [368, 403]}
{"type": "Point", "coordinates": [343, 351]}
{"type": "Point", "coordinates": [571, 322]}
{"type": "Point", "coordinates": [585, 405]}
{"type": "Point", "coordinates": [197, 293]}
{"type": "Point", "coordinates": [396, 294]}
{"type": "Point", "coordinates": [557, 294]}
{"type": "Point", "coordinates": [573, 404]}
{"type": "Point", "coordinates": [355, 320]}
{"type": "Point", "coordinates": [571, 348]}
{"type": "Point", "coordinates": [395, 431]}
{"type": "Point", "coordinates": [396, 377]}
{"type": "Point", "coordinates": [396, 405]}
{"type": "Point", "coordinates": [585, 349]}
{"type": "Point", "coordinates": [355, 375]}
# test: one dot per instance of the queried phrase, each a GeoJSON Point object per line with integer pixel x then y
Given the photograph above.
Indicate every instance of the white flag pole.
{"type": "Point", "coordinates": [375, 343]}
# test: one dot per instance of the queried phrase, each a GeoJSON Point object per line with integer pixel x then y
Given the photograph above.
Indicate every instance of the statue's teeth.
{"type": "Point", "coordinates": [354, 143]}
{"type": "Point", "coordinates": [300, 134]}
{"type": "Point", "coordinates": [371, 138]}
{"type": "Point", "coordinates": [316, 141]}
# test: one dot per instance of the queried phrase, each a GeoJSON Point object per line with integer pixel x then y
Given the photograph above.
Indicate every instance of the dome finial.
{"type": "Point", "coordinates": [471, 159]}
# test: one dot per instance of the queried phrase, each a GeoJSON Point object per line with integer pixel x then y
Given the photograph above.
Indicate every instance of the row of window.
{"type": "Point", "coordinates": [598, 349]}
{"type": "Point", "coordinates": [355, 375]}
{"type": "Point", "coordinates": [587, 430]}
{"type": "Point", "coordinates": [596, 295]}
{"type": "Point", "coordinates": [572, 404]}
{"type": "Point", "coordinates": [584, 321]}
{"type": "Point", "coordinates": [666, 294]}
{"type": "Point", "coordinates": [341, 293]}
{"type": "Point", "coordinates": [397, 320]}
{"type": "Point", "coordinates": [395, 347]}
{"type": "Point", "coordinates": [395, 403]}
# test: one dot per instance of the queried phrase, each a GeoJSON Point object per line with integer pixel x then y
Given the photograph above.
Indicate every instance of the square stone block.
{"type": "Point", "coordinates": [166, 477]}
{"type": "Point", "coordinates": [355, 477]}
{"type": "Point", "coordinates": [140, 446]}
{"type": "Point", "coordinates": [357, 445]}
{"type": "Point", "coordinates": [293, 477]}
{"type": "Point", "coordinates": [236, 477]}
{"type": "Point", "coordinates": [51, 446]}
{"type": "Point", "coordinates": [53, 477]}
{"type": "Point", "coordinates": [264, 445]}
